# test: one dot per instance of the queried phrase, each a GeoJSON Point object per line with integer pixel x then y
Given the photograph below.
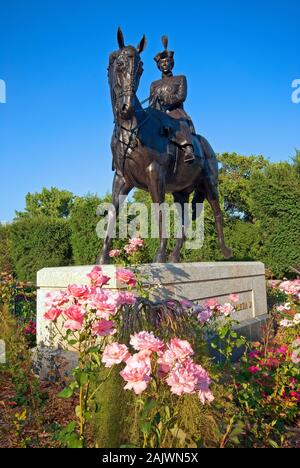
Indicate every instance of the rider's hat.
{"type": "Point", "coordinates": [166, 53]}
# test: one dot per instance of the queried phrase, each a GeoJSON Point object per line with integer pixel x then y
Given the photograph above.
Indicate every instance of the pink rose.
{"type": "Point", "coordinates": [126, 276]}
{"type": "Point", "coordinates": [226, 309]}
{"type": "Point", "coordinates": [105, 303]}
{"type": "Point", "coordinates": [203, 383]}
{"type": "Point", "coordinates": [75, 316]}
{"type": "Point", "coordinates": [126, 298]}
{"type": "Point", "coordinates": [181, 379]}
{"type": "Point", "coordinates": [253, 369]}
{"type": "Point", "coordinates": [137, 372]}
{"type": "Point", "coordinates": [146, 340]}
{"type": "Point", "coordinates": [53, 314]}
{"type": "Point", "coordinates": [181, 349]}
{"type": "Point", "coordinates": [211, 303]}
{"type": "Point", "coordinates": [136, 242]}
{"type": "Point", "coordinates": [56, 299]}
{"type": "Point", "coordinates": [177, 352]}
{"type": "Point", "coordinates": [78, 292]}
{"type": "Point", "coordinates": [104, 328]}
{"type": "Point", "coordinates": [234, 298]}
{"type": "Point", "coordinates": [115, 353]}
{"type": "Point", "coordinates": [130, 249]}
{"type": "Point", "coordinates": [97, 277]}
{"type": "Point", "coordinates": [114, 253]}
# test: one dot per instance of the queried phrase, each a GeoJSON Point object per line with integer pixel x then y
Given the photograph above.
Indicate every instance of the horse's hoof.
{"type": "Point", "coordinates": [174, 258]}
{"type": "Point", "coordinates": [103, 260]}
{"type": "Point", "coordinates": [160, 258]}
{"type": "Point", "coordinates": [227, 252]}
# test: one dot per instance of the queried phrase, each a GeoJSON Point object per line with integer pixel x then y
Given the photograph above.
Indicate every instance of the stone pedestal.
{"type": "Point", "coordinates": [194, 281]}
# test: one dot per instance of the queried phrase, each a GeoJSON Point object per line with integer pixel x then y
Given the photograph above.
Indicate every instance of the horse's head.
{"type": "Point", "coordinates": [124, 72]}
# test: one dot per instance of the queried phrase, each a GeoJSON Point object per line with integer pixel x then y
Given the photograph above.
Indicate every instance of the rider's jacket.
{"type": "Point", "coordinates": [168, 95]}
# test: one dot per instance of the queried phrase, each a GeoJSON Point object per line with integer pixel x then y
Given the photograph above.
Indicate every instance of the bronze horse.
{"type": "Point", "coordinates": [142, 157]}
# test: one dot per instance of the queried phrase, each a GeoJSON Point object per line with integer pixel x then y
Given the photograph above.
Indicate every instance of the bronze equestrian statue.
{"type": "Point", "coordinates": [156, 149]}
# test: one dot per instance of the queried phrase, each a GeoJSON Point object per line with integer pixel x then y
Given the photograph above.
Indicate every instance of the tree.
{"type": "Point", "coordinates": [5, 248]}
{"type": "Point", "coordinates": [39, 242]}
{"type": "Point", "coordinates": [86, 244]}
{"type": "Point", "coordinates": [275, 205]}
{"type": "Point", "coordinates": [53, 203]}
{"type": "Point", "coordinates": [235, 175]}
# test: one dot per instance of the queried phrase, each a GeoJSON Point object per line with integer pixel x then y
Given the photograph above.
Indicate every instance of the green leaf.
{"type": "Point", "coordinates": [66, 393]}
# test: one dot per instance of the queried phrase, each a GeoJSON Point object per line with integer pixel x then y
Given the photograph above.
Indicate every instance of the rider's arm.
{"type": "Point", "coordinates": [179, 95]}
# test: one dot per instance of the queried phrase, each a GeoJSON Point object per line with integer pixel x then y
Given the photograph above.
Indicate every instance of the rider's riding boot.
{"type": "Point", "coordinates": [189, 155]}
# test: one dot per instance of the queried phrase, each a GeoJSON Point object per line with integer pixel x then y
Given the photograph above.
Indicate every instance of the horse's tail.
{"type": "Point", "coordinates": [198, 197]}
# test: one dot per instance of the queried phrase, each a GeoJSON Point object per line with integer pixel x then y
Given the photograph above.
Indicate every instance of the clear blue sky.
{"type": "Point", "coordinates": [240, 58]}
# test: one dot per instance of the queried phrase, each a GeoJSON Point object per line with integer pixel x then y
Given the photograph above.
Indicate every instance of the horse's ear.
{"type": "Point", "coordinates": [120, 37]}
{"type": "Point", "coordinates": [142, 45]}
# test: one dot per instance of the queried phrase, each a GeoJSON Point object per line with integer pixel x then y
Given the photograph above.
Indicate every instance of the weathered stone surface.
{"type": "Point", "coordinates": [194, 281]}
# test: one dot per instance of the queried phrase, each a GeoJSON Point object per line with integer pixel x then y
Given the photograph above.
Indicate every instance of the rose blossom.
{"type": "Point", "coordinates": [126, 276]}
{"type": "Point", "coordinates": [177, 352]}
{"type": "Point", "coordinates": [136, 242]}
{"type": "Point", "coordinates": [296, 343]}
{"type": "Point", "coordinates": [253, 369]}
{"type": "Point", "coordinates": [75, 316]}
{"type": "Point", "coordinates": [226, 309]}
{"type": "Point", "coordinates": [234, 298]}
{"type": "Point", "coordinates": [211, 303]}
{"type": "Point", "coordinates": [115, 353]}
{"type": "Point", "coordinates": [53, 314]}
{"type": "Point", "coordinates": [137, 372]}
{"type": "Point", "coordinates": [295, 357]}
{"type": "Point", "coordinates": [146, 340]}
{"type": "Point", "coordinates": [130, 249]}
{"type": "Point", "coordinates": [78, 292]}
{"type": "Point", "coordinates": [97, 277]}
{"type": "Point", "coordinates": [114, 253]}
{"type": "Point", "coordinates": [56, 299]}
{"type": "Point", "coordinates": [105, 303]}
{"type": "Point", "coordinates": [104, 328]}
{"type": "Point", "coordinates": [181, 379]}
{"type": "Point", "coordinates": [203, 383]}
{"type": "Point", "coordinates": [126, 298]}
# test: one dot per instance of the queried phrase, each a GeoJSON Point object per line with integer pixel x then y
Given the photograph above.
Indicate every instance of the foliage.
{"type": "Point", "coordinates": [83, 221]}
{"type": "Point", "coordinates": [275, 205]}
{"type": "Point", "coordinates": [267, 385]}
{"type": "Point", "coordinates": [6, 264]}
{"type": "Point", "coordinates": [37, 243]}
{"type": "Point", "coordinates": [53, 203]}
{"type": "Point", "coordinates": [235, 182]}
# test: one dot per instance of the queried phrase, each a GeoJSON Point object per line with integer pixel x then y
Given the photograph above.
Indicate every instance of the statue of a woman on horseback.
{"type": "Point", "coordinates": [156, 149]}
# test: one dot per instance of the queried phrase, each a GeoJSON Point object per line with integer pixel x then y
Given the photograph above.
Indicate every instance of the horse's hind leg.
{"type": "Point", "coordinates": [180, 199]}
{"type": "Point", "coordinates": [213, 199]}
{"type": "Point", "coordinates": [156, 186]}
{"type": "Point", "coordinates": [120, 190]}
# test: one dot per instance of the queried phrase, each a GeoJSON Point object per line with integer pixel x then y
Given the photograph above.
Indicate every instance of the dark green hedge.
{"type": "Point", "coordinates": [38, 243]}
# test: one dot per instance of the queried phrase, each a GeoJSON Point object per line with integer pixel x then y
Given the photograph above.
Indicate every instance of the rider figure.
{"type": "Point", "coordinates": [168, 95]}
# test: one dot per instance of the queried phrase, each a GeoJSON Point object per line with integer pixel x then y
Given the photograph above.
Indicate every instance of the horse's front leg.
{"type": "Point", "coordinates": [157, 189]}
{"type": "Point", "coordinates": [119, 192]}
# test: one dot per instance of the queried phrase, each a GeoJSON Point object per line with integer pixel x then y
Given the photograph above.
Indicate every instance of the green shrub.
{"type": "Point", "coordinates": [85, 242]}
{"type": "Point", "coordinates": [5, 248]}
{"type": "Point", "coordinates": [37, 243]}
